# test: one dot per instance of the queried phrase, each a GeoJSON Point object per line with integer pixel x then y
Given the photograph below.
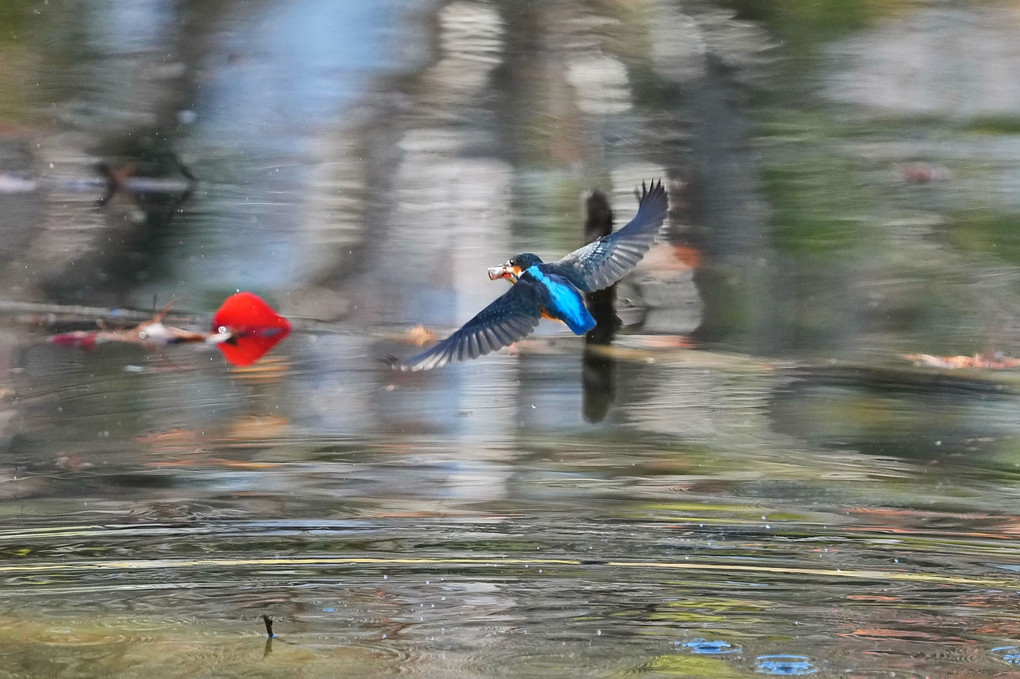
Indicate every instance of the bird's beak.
{"type": "Point", "coordinates": [503, 271]}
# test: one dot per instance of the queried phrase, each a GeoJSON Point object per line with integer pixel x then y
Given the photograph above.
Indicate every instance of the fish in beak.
{"type": "Point", "coordinates": [504, 271]}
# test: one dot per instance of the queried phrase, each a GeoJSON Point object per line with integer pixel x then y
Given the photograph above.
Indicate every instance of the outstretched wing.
{"type": "Point", "coordinates": [508, 319]}
{"type": "Point", "coordinates": [605, 261]}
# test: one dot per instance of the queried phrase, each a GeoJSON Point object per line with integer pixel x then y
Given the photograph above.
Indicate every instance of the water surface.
{"type": "Point", "coordinates": [748, 479]}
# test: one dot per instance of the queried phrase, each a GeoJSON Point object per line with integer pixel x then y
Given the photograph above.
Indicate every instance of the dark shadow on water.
{"type": "Point", "coordinates": [598, 369]}
{"type": "Point", "coordinates": [147, 186]}
{"type": "Point", "coordinates": [911, 415]}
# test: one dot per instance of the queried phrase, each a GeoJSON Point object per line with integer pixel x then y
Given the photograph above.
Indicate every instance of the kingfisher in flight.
{"type": "Point", "coordinates": [550, 289]}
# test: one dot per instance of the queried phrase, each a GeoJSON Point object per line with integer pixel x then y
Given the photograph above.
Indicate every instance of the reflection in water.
{"type": "Point", "coordinates": [597, 369]}
{"type": "Point", "coordinates": [892, 414]}
{"type": "Point", "coordinates": [143, 195]}
{"type": "Point", "coordinates": [932, 62]}
{"type": "Point", "coordinates": [836, 506]}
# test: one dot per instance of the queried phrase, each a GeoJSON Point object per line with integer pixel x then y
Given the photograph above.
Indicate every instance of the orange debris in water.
{"type": "Point", "coordinates": [690, 256]}
{"type": "Point", "coordinates": [420, 335]}
{"type": "Point", "coordinates": [994, 362]}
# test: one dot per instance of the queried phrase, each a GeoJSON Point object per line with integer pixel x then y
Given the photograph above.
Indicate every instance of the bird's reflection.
{"type": "Point", "coordinates": [597, 367]}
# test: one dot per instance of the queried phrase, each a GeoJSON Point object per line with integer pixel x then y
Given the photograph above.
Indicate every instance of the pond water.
{"type": "Point", "coordinates": [748, 479]}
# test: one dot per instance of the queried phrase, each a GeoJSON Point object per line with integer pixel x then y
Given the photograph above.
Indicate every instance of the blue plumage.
{"type": "Point", "coordinates": [563, 301]}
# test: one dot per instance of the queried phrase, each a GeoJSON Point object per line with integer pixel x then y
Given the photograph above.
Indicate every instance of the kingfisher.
{"type": "Point", "coordinates": [550, 289]}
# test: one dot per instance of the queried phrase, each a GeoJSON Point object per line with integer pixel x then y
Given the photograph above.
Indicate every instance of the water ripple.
{"type": "Point", "coordinates": [786, 665]}
{"type": "Point", "coordinates": [706, 647]}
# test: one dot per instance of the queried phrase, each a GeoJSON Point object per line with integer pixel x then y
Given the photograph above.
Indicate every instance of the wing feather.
{"type": "Point", "coordinates": [510, 318]}
{"type": "Point", "coordinates": [608, 259]}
